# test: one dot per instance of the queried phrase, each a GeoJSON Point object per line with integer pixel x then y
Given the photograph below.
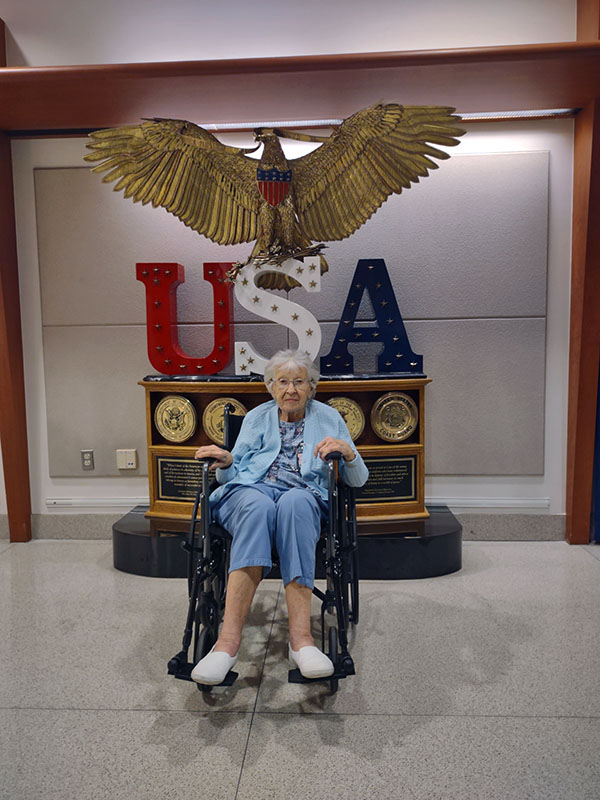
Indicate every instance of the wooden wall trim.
{"type": "Point", "coordinates": [584, 343]}
{"type": "Point", "coordinates": [2, 44]}
{"type": "Point", "coordinates": [312, 63]}
{"type": "Point", "coordinates": [13, 422]}
{"type": "Point", "coordinates": [588, 20]}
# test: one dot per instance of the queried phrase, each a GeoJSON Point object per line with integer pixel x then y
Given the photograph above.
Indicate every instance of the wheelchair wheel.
{"type": "Point", "coordinates": [333, 655]}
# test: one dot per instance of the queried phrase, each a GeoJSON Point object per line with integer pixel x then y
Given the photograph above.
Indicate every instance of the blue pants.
{"type": "Point", "coordinates": [264, 515]}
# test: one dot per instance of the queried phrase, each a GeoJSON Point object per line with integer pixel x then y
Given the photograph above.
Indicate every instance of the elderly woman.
{"type": "Point", "coordinates": [274, 492]}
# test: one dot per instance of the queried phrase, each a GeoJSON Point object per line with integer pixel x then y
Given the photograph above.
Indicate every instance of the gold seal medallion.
{"type": "Point", "coordinates": [213, 419]}
{"type": "Point", "coordinates": [394, 417]}
{"type": "Point", "coordinates": [175, 418]}
{"type": "Point", "coordinates": [351, 414]}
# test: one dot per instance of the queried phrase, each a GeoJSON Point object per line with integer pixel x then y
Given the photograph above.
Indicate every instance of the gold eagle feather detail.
{"type": "Point", "coordinates": [325, 195]}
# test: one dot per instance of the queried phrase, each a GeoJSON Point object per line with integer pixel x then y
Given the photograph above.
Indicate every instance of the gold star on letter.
{"type": "Point", "coordinates": [309, 332]}
{"type": "Point", "coordinates": [251, 361]}
{"type": "Point", "coordinates": [243, 368]}
{"type": "Point", "coordinates": [312, 284]}
{"type": "Point", "coordinates": [274, 308]}
{"type": "Point", "coordinates": [299, 270]}
{"type": "Point", "coordinates": [312, 267]}
{"type": "Point", "coordinates": [242, 350]}
{"type": "Point", "coordinates": [255, 299]}
{"type": "Point", "coordinates": [245, 282]}
{"type": "Point", "coordinates": [294, 316]}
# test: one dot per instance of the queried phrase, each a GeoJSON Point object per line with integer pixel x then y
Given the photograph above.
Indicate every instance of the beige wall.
{"type": "Point", "coordinates": [75, 32]}
{"type": "Point", "coordinates": [110, 302]}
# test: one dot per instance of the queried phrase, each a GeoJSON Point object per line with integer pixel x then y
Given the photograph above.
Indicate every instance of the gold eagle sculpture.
{"type": "Point", "coordinates": [286, 206]}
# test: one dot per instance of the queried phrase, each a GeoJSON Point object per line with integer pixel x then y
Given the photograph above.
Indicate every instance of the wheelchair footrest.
{"type": "Point", "coordinates": [295, 676]}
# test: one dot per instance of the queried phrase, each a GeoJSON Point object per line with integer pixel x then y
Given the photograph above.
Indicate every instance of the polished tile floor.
{"type": "Point", "coordinates": [482, 684]}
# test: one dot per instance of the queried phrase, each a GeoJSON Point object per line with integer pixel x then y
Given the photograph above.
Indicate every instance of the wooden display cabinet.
{"type": "Point", "coordinates": [396, 486]}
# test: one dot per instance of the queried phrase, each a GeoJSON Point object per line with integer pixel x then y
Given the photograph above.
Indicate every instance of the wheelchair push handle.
{"type": "Point", "coordinates": [209, 460]}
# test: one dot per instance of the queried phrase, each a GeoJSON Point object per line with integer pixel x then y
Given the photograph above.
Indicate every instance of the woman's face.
{"type": "Point", "coordinates": [291, 390]}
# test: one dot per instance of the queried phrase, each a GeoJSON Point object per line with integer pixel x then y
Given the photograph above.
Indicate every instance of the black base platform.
{"type": "Point", "coordinates": [398, 551]}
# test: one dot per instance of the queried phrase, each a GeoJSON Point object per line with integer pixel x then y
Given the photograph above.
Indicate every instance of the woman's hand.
{"type": "Point", "coordinates": [330, 445]}
{"type": "Point", "coordinates": [223, 458]}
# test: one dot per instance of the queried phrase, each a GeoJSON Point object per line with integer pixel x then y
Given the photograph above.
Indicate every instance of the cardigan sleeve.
{"type": "Point", "coordinates": [245, 442]}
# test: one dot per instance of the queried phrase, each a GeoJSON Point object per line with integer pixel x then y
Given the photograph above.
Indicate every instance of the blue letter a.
{"type": "Point", "coordinates": [397, 355]}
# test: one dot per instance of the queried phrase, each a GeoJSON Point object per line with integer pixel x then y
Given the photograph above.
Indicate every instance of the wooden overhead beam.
{"type": "Point", "coordinates": [300, 87]}
{"type": "Point", "coordinates": [13, 422]}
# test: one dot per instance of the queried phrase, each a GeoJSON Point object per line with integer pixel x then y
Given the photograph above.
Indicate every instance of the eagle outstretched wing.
{"type": "Point", "coordinates": [172, 163]}
{"type": "Point", "coordinates": [374, 153]}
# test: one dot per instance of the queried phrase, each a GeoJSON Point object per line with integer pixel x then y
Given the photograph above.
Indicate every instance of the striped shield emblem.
{"type": "Point", "coordinates": [273, 184]}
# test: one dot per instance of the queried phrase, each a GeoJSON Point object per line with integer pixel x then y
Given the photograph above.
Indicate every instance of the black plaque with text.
{"type": "Point", "coordinates": [178, 479]}
{"type": "Point", "coordinates": [392, 479]}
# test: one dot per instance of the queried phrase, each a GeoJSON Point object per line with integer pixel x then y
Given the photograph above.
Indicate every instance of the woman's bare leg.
{"type": "Point", "coordinates": [241, 586]}
{"type": "Point", "coordinates": [298, 598]}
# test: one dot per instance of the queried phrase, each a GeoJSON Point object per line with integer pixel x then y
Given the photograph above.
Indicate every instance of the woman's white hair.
{"type": "Point", "coordinates": [291, 358]}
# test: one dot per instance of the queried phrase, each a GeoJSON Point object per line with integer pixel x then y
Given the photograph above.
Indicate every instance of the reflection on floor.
{"type": "Point", "coordinates": [482, 684]}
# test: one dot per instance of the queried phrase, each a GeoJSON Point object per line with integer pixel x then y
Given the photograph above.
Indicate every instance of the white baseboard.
{"type": "Point", "coordinates": [103, 503]}
{"type": "Point", "coordinates": [539, 504]}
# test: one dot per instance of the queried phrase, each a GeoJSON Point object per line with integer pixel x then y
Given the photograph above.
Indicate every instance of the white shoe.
{"type": "Point", "coordinates": [311, 662]}
{"type": "Point", "coordinates": [213, 668]}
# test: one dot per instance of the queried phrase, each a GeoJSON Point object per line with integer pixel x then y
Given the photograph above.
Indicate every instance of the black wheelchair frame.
{"type": "Point", "coordinates": [208, 559]}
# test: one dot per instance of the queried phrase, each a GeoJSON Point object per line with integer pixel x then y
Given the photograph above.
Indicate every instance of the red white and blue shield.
{"type": "Point", "coordinates": [274, 185]}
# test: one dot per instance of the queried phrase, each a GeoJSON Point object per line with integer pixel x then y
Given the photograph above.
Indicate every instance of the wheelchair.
{"type": "Point", "coordinates": [208, 546]}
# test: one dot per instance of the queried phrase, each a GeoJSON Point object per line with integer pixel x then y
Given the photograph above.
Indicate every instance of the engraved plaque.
{"type": "Point", "coordinates": [175, 418]}
{"type": "Point", "coordinates": [213, 419]}
{"type": "Point", "coordinates": [178, 479]}
{"type": "Point", "coordinates": [394, 417]}
{"type": "Point", "coordinates": [392, 479]}
{"type": "Point", "coordinates": [351, 414]}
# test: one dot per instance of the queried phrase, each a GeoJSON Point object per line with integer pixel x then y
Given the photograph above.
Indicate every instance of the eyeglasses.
{"type": "Point", "coordinates": [298, 383]}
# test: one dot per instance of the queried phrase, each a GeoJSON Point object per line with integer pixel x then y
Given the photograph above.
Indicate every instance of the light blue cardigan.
{"type": "Point", "coordinates": [259, 442]}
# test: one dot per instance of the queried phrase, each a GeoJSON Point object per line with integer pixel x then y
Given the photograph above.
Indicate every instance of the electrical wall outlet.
{"type": "Point", "coordinates": [87, 459]}
{"type": "Point", "coordinates": [126, 459]}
